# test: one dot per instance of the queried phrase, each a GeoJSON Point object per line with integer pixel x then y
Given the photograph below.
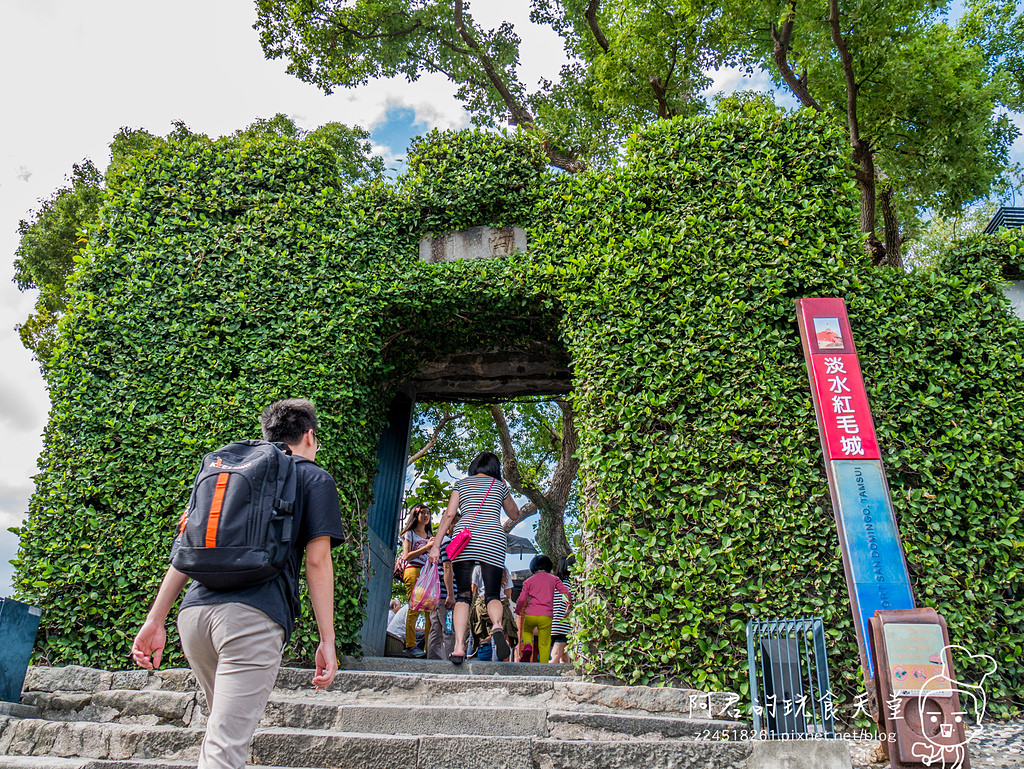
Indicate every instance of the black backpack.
{"type": "Point", "coordinates": [238, 527]}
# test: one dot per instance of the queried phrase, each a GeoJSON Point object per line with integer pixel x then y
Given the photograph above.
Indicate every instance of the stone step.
{"type": "Point", "coordinates": [98, 695]}
{"type": "Point", "coordinates": [323, 712]}
{"type": "Point", "coordinates": [149, 707]}
{"type": "Point", "coordinates": [78, 678]}
{"type": "Point", "coordinates": [574, 725]}
{"type": "Point", "coordinates": [69, 739]}
{"type": "Point", "coordinates": [550, 754]}
{"type": "Point", "coordinates": [491, 721]}
{"type": "Point", "coordinates": [296, 748]}
{"type": "Point", "coordinates": [50, 762]}
{"type": "Point", "coordinates": [470, 667]}
{"type": "Point", "coordinates": [288, 747]}
{"type": "Point", "coordinates": [348, 712]}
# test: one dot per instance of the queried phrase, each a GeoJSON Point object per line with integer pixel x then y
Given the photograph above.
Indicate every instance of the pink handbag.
{"type": "Point", "coordinates": [459, 542]}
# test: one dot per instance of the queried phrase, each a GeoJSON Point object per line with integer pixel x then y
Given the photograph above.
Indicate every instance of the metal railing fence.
{"type": "Point", "coordinates": [790, 693]}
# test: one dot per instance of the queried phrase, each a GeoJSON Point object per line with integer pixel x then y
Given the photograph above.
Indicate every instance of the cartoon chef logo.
{"type": "Point", "coordinates": [942, 744]}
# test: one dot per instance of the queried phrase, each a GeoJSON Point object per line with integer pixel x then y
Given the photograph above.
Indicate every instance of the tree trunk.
{"type": "Point", "coordinates": [551, 537]}
{"type": "Point", "coordinates": [893, 239]}
{"type": "Point", "coordinates": [863, 153]}
{"type": "Point", "coordinates": [551, 503]}
{"type": "Point", "coordinates": [442, 423]}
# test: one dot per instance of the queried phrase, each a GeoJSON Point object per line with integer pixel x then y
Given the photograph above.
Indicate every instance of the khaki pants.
{"type": "Point", "coordinates": [235, 652]}
{"type": "Point", "coordinates": [439, 643]}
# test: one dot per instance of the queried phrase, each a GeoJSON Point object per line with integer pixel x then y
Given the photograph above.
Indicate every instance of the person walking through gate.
{"type": "Point", "coordinates": [234, 639]}
{"type": "Point", "coordinates": [560, 627]}
{"type": "Point", "coordinates": [536, 605]}
{"type": "Point", "coordinates": [417, 538]}
{"type": "Point", "coordinates": [479, 499]}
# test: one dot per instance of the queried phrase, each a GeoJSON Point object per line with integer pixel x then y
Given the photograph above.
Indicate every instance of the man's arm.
{"type": "Point", "coordinates": [148, 646]}
{"type": "Point", "coordinates": [320, 578]}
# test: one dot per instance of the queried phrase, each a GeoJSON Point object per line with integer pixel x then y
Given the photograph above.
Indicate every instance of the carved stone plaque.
{"type": "Point", "coordinates": [474, 243]}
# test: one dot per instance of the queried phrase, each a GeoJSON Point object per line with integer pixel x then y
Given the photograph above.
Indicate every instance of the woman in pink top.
{"type": "Point", "coordinates": [536, 605]}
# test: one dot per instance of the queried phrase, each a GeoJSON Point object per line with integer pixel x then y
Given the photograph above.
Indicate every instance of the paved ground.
{"type": "Point", "coordinates": [993, 745]}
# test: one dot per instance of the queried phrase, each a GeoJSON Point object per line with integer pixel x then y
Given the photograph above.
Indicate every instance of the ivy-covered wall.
{"type": "Point", "coordinates": [229, 274]}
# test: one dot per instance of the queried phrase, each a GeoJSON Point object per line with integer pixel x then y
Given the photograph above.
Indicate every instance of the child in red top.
{"type": "Point", "coordinates": [537, 602]}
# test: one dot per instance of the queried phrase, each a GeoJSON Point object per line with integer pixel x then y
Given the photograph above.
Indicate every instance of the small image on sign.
{"type": "Point", "coordinates": [827, 333]}
{"type": "Point", "coordinates": [916, 660]}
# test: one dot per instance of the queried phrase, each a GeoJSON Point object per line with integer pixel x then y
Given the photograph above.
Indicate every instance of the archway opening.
{"type": "Point", "coordinates": [527, 387]}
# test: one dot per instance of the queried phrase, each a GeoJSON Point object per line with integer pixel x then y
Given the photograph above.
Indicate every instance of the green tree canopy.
{"type": "Point", "coordinates": [924, 102]}
{"type": "Point", "coordinates": [630, 61]}
{"type": "Point", "coordinates": [54, 236]}
{"type": "Point", "coordinates": [50, 240]}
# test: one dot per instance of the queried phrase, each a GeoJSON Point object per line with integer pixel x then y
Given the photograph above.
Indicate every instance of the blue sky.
{"type": "Point", "coordinates": [397, 129]}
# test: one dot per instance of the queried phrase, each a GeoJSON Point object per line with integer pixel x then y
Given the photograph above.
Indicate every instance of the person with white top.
{"type": "Point", "coordinates": [417, 538]}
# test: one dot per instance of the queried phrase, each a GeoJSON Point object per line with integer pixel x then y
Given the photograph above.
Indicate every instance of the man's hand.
{"type": "Point", "coordinates": [326, 665]}
{"type": "Point", "coordinates": [449, 601]}
{"type": "Point", "coordinates": [148, 646]}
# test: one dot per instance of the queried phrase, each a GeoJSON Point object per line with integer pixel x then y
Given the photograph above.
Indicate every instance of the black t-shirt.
{"type": "Point", "coordinates": [317, 514]}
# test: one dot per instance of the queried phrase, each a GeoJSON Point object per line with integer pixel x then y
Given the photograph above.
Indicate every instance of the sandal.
{"type": "Point", "coordinates": [456, 659]}
{"type": "Point", "coordinates": [501, 647]}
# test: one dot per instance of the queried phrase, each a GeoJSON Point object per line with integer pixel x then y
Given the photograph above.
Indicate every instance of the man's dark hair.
{"type": "Point", "coordinates": [486, 463]}
{"type": "Point", "coordinates": [287, 421]}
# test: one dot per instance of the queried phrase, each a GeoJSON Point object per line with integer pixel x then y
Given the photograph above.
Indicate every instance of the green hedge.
{"type": "Point", "coordinates": [1001, 253]}
{"type": "Point", "coordinates": [229, 274]}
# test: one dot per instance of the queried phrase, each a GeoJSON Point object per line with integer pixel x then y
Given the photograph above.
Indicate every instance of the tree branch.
{"type": "Point", "coordinates": [569, 163]}
{"type": "Point", "coordinates": [568, 465]}
{"type": "Point", "coordinates": [339, 29]}
{"type": "Point", "coordinates": [591, 16]}
{"type": "Point", "coordinates": [556, 497]}
{"type": "Point", "coordinates": [476, 82]}
{"type": "Point", "coordinates": [780, 52]}
{"type": "Point", "coordinates": [526, 511]}
{"type": "Point", "coordinates": [659, 95]}
{"type": "Point", "coordinates": [851, 82]}
{"type": "Point", "coordinates": [456, 49]}
{"type": "Point", "coordinates": [863, 155]}
{"type": "Point", "coordinates": [510, 463]}
{"type": "Point", "coordinates": [893, 241]}
{"type": "Point", "coordinates": [438, 428]}
{"type": "Point", "coordinates": [518, 113]}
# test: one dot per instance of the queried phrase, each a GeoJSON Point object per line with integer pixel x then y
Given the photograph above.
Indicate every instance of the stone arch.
{"type": "Point", "coordinates": [485, 368]}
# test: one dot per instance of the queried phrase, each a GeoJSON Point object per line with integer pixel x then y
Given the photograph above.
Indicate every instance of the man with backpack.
{"type": "Point", "coordinates": [233, 635]}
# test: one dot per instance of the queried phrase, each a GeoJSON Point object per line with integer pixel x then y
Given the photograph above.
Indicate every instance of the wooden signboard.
{"type": "Point", "coordinates": [916, 686]}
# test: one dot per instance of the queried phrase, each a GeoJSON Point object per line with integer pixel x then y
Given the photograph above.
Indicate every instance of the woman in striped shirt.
{"type": "Point", "coordinates": [560, 627]}
{"type": "Point", "coordinates": [478, 499]}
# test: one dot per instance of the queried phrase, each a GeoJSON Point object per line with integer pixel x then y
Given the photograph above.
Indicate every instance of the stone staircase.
{"type": "Point", "coordinates": [417, 715]}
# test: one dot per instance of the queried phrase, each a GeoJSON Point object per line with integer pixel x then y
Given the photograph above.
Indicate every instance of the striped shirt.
{"type": "Point", "coordinates": [559, 624]}
{"type": "Point", "coordinates": [488, 542]}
